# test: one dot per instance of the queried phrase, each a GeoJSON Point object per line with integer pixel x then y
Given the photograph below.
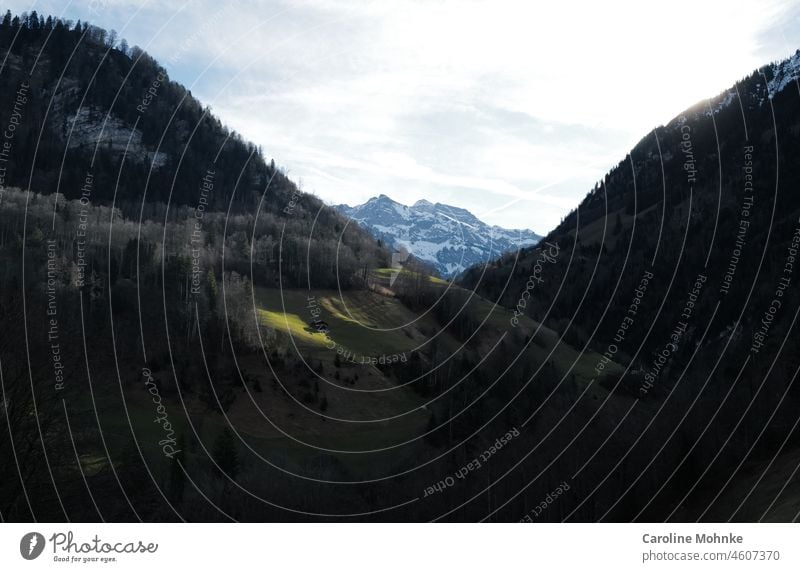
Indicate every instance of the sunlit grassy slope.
{"type": "Point", "coordinates": [367, 324]}
{"type": "Point", "coordinates": [371, 324]}
{"type": "Point", "coordinates": [363, 322]}
{"type": "Point", "coordinates": [389, 273]}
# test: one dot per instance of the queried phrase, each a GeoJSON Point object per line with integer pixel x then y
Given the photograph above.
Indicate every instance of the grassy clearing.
{"type": "Point", "coordinates": [363, 322]}
{"type": "Point", "coordinates": [402, 273]}
{"type": "Point", "coordinates": [293, 325]}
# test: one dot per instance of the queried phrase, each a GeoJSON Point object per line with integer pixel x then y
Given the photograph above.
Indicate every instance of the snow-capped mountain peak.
{"type": "Point", "coordinates": [785, 72]}
{"type": "Point", "coordinates": [771, 80]}
{"type": "Point", "coordinates": [448, 237]}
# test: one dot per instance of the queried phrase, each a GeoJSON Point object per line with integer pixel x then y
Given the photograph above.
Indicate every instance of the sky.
{"type": "Point", "coordinates": [510, 109]}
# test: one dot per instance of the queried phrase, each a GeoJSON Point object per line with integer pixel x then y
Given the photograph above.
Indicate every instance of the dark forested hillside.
{"type": "Point", "coordinates": [80, 105]}
{"type": "Point", "coordinates": [90, 98]}
{"type": "Point", "coordinates": [712, 192]}
{"type": "Point", "coordinates": [681, 266]}
{"type": "Point", "coordinates": [135, 232]}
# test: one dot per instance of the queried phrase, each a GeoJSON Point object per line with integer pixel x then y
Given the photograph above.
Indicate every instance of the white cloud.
{"type": "Point", "coordinates": [480, 103]}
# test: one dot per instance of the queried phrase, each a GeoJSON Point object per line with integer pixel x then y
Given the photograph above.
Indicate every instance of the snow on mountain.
{"type": "Point", "coordinates": [785, 72]}
{"type": "Point", "coordinates": [448, 237]}
{"type": "Point", "coordinates": [777, 77]}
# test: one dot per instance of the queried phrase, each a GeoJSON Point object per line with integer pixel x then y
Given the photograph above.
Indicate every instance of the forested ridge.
{"type": "Point", "coordinates": [94, 107]}
{"type": "Point", "coordinates": [697, 230]}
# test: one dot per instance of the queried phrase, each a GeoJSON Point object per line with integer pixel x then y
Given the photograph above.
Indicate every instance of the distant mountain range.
{"type": "Point", "coordinates": [449, 238]}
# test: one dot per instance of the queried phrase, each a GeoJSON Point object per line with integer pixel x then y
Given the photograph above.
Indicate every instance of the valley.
{"type": "Point", "coordinates": [191, 336]}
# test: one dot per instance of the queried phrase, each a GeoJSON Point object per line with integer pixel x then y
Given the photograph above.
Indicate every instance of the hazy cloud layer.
{"type": "Point", "coordinates": [505, 108]}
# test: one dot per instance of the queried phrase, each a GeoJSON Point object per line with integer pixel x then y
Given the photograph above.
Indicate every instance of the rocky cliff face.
{"type": "Point", "coordinates": [90, 127]}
